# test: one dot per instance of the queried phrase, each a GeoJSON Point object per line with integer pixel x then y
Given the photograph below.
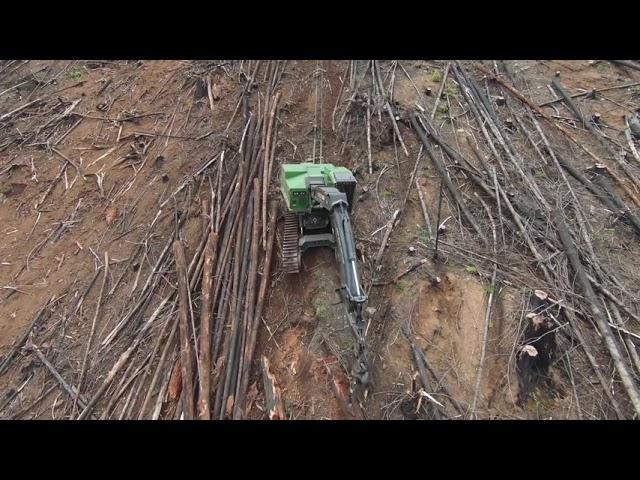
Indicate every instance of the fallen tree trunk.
{"type": "Point", "coordinates": [563, 130]}
{"type": "Point", "coordinates": [599, 136]}
{"type": "Point", "coordinates": [626, 63]}
{"type": "Point", "coordinates": [204, 409]}
{"type": "Point", "coordinates": [459, 158]}
{"type": "Point", "coordinates": [23, 338]}
{"type": "Point", "coordinates": [577, 174]}
{"type": "Point", "coordinates": [418, 358]}
{"type": "Point", "coordinates": [453, 190]}
{"type": "Point", "coordinates": [71, 391]}
{"type": "Point", "coordinates": [385, 239]}
{"type": "Point", "coordinates": [598, 316]}
{"type": "Point", "coordinates": [250, 298]}
{"type": "Point", "coordinates": [264, 283]}
{"type": "Point", "coordinates": [186, 353]}
{"type": "Point", "coordinates": [602, 182]}
{"type": "Point", "coordinates": [423, 206]}
{"type": "Point", "coordinates": [432, 278]}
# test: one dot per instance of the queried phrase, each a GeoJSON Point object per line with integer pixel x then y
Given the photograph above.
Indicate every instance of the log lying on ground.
{"type": "Point", "coordinates": [459, 158]}
{"type": "Point", "coordinates": [124, 358]}
{"type": "Point", "coordinates": [250, 301]}
{"type": "Point", "coordinates": [385, 239]}
{"type": "Point", "coordinates": [418, 358]}
{"type": "Point", "coordinates": [453, 190]}
{"type": "Point", "coordinates": [604, 382]}
{"type": "Point", "coordinates": [597, 134]}
{"type": "Point", "coordinates": [435, 280]}
{"type": "Point", "coordinates": [595, 190]}
{"type": "Point", "coordinates": [376, 71]}
{"type": "Point", "coordinates": [23, 338]}
{"type": "Point", "coordinates": [224, 398]}
{"type": "Point", "coordinates": [264, 283]}
{"type": "Point", "coordinates": [268, 164]}
{"type": "Point", "coordinates": [423, 367]}
{"type": "Point", "coordinates": [395, 219]}
{"type": "Point", "coordinates": [71, 391]}
{"type": "Point", "coordinates": [598, 316]}
{"type": "Point", "coordinates": [186, 353]}
{"type": "Point", "coordinates": [626, 63]}
{"type": "Point", "coordinates": [204, 410]}
{"type": "Point", "coordinates": [423, 206]}
{"type": "Point", "coordinates": [613, 298]}
{"type": "Point", "coordinates": [236, 293]}
{"type": "Point", "coordinates": [558, 127]}
{"type": "Point", "coordinates": [482, 105]}
{"type": "Point", "coordinates": [630, 141]}
{"type": "Point", "coordinates": [591, 93]}
{"type": "Point", "coordinates": [602, 181]}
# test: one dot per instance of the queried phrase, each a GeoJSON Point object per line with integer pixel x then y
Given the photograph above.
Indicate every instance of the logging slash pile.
{"type": "Point", "coordinates": [497, 219]}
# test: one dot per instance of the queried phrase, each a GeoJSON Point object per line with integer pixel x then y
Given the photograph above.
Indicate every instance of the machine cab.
{"type": "Point", "coordinates": [296, 181]}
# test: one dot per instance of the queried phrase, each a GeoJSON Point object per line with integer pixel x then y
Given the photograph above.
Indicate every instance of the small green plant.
{"type": "Point", "coordinates": [491, 288]}
{"type": "Point", "coordinates": [75, 74]}
{"type": "Point", "coordinates": [539, 173]}
{"type": "Point", "coordinates": [387, 194]}
{"type": "Point", "coordinates": [436, 76]}
{"type": "Point", "coordinates": [604, 235]}
{"type": "Point", "coordinates": [423, 235]}
{"type": "Point", "coordinates": [539, 401]}
{"type": "Point", "coordinates": [450, 91]}
{"type": "Point", "coordinates": [400, 286]}
{"type": "Point", "coordinates": [442, 110]}
{"type": "Point", "coordinates": [288, 409]}
{"type": "Point", "coordinates": [317, 273]}
{"type": "Point", "coordinates": [322, 310]}
{"type": "Point", "coordinates": [471, 269]}
{"type": "Point", "coordinates": [635, 90]}
{"type": "Point", "coordinates": [532, 405]}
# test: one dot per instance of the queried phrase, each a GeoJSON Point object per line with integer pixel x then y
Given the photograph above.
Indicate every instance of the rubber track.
{"type": "Point", "coordinates": [290, 250]}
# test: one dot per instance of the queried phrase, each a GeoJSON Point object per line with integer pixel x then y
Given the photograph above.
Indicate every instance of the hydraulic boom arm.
{"type": "Point", "coordinates": [335, 201]}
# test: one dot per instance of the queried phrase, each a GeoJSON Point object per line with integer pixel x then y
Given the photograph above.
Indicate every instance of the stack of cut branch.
{"type": "Point", "coordinates": [183, 344]}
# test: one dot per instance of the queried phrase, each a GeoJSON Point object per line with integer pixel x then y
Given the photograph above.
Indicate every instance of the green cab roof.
{"type": "Point", "coordinates": [295, 173]}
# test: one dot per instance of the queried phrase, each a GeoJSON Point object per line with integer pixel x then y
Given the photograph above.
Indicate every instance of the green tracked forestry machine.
{"type": "Point", "coordinates": [319, 197]}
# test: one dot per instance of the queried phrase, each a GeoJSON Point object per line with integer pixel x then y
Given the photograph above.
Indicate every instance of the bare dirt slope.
{"type": "Point", "coordinates": [103, 158]}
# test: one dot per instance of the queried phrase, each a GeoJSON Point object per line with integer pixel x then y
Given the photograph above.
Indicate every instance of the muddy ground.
{"type": "Point", "coordinates": [76, 185]}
